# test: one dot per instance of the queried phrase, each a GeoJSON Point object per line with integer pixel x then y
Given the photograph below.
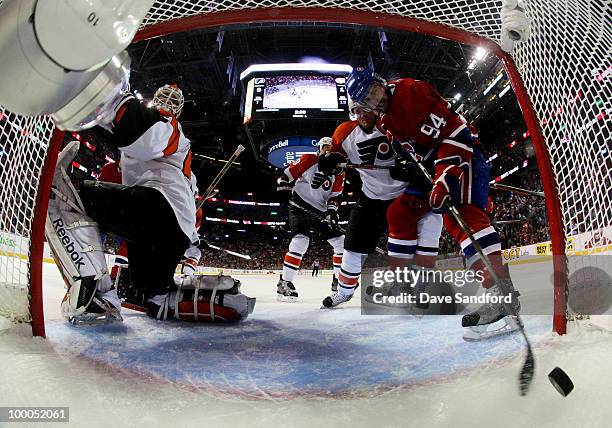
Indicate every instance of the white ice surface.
{"type": "Point", "coordinates": [296, 365]}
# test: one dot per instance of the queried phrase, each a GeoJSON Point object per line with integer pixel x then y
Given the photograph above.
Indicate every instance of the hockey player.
{"type": "Point", "coordinates": [362, 143]}
{"type": "Point", "coordinates": [319, 195]}
{"type": "Point", "coordinates": [419, 121]}
{"type": "Point", "coordinates": [153, 210]}
{"type": "Point", "coordinates": [111, 173]}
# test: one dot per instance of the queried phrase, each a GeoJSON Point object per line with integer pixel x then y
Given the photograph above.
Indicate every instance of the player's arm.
{"type": "Point", "coordinates": [284, 183]}
{"type": "Point", "coordinates": [454, 154]}
{"type": "Point", "coordinates": [295, 170]}
{"type": "Point", "coordinates": [142, 132]}
{"type": "Point", "coordinates": [330, 162]}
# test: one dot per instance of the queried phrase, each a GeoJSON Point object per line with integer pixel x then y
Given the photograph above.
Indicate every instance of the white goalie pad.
{"type": "Point", "coordinates": [75, 242]}
{"type": "Point", "coordinates": [205, 282]}
{"type": "Point", "coordinates": [209, 298]}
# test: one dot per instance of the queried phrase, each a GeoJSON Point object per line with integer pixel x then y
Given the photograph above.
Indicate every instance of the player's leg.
{"type": "Point", "coordinates": [414, 232]}
{"type": "Point", "coordinates": [75, 242]}
{"type": "Point", "coordinates": [367, 222]}
{"type": "Point", "coordinates": [337, 243]}
{"type": "Point", "coordinates": [285, 290]}
{"type": "Point", "coordinates": [144, 218]}
{"type": "Point", "coordinates": [477, 182]}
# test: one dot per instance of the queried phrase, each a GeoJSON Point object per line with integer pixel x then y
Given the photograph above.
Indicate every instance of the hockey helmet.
{"type": "Point", "coordinates": [358, 83]}
{"type": "Point", "coordinates": [169, 98]}
{"type": "Point", "coordinates": [323, 142]}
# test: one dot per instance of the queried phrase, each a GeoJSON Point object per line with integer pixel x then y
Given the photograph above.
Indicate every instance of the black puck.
{"type": "Point", "coordinates": [561, 381]}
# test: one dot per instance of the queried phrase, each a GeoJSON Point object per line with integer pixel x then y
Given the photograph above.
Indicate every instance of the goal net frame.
{"type": "Point", "coordinates": [454, 23]}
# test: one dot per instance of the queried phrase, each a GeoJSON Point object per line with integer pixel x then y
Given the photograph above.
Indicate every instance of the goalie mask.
{"type": "Point", "coordinates": [169, 98]}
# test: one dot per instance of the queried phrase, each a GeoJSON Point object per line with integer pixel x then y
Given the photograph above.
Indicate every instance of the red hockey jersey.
{"type": "Point", "coordinates": [418, 114]}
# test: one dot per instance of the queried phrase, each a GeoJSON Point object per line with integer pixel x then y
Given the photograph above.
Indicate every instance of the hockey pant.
{"type": "Point", "coordinates": [414, 232]}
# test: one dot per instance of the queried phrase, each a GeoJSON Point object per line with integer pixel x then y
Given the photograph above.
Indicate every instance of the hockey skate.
{"type": "Point", "coordinates": [493, 319]}
{"type": "Point", "coordinates": [103, 309]}
{"type": "Point", "coordinates": [285, 291]}
{"type": "Point", "coordinates": [335, 299]}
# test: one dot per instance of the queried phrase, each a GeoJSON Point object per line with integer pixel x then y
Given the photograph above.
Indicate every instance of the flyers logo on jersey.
{"type": "Point", "coordinates": [321, 180]}
{"type": "Point", "coordinates": [374, 148]}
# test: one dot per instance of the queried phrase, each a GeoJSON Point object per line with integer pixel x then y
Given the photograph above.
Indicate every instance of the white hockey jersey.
{"type": "Point", "coordinates": [312, 185]}
{"type": "Point", "coordinates": [155, 153]}
{"type": "Point", "coordinates": [371, 149]}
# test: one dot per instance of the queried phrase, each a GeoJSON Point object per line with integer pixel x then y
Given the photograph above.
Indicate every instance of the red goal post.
{"type": "Point", "coordinates": [557, 74]}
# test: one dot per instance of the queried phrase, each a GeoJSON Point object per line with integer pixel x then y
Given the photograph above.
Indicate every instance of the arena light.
{"type": "Point", "coordinates": [457, 96]}
{"type": "Point", "coordinates": [304, 66]}
{"type": "Point", "coordinates": [480, 54]}
{"type": "Point", "coordinates": [492, 85]}
{"type": "Point", "coordinates": [503, 91]}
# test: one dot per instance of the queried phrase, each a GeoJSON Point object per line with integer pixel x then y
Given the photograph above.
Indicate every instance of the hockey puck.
{"type": "Point", "coordinates": [561, 381]}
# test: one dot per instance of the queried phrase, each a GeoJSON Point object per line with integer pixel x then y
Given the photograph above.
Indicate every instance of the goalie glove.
{"type": "Point", "coordinates": [447, 186]}
{"type": "Point", "coordinates": [283, 184]}
{"type": "Point", "coordinates": [331, 163]}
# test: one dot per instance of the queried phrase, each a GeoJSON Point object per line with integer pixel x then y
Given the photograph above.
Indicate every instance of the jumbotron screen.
{"type": "Point", "coordinates": [295, 91]}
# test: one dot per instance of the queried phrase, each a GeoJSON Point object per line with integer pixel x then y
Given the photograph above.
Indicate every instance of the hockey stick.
{"type": "Point", "coordinates": [502, 222]}
{"type": "Point", "coordinates": [211, 188]}
{"type": "Point", "coordinates": [496, 186]}
{"type": "Point", "coordinates": [506, 188]}
{"type": "Point", "coordinates": [527, 371]}
{"type": "Point", "coordinates": [363, 166]}
{"type": "Point", "coordinates": [232, 253]}
{"type": "Point", "coordinates": [319, 217]}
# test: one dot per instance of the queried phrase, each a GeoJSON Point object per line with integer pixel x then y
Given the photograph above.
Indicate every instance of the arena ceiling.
{"type": "Point", "coordinates": [206, 64]}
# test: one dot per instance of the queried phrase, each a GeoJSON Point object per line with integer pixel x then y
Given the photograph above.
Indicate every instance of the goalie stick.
{"type": "Point", "coordinates": [211, 187]}
{"type": "Point", "coordinates": [319, 217]}
{"type": "Point", "coordinates": [527, 370]}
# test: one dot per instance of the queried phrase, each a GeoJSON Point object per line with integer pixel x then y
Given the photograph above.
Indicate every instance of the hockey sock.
{"type": "Point", "coordinates": [349, 272]}
{"type": "Point", "coordinates": [338, 244]}
{"type": "Point", "coordinates": [291, 263]}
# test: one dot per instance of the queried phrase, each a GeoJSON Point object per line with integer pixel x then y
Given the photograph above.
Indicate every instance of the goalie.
{"type": "Point", "coordinates": [153, 210]}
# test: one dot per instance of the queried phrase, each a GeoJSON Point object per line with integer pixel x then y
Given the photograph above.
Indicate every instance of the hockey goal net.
{"type": "Point", "coordinates": [560, 75]}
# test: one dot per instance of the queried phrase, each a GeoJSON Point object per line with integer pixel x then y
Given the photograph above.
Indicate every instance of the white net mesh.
{"type": "Point", "coordinates": [23, 147]}
{"type": "Point", "coordinates": [565, 65]}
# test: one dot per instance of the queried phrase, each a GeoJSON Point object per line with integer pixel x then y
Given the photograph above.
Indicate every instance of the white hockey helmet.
{"type": "Point", "coordinates": [323, 142]}
{"type": "Point", "coordinates": [169, 98]}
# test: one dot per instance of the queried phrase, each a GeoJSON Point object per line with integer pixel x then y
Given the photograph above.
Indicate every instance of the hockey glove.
{"type": "Point", "coordinates": [446, 186]}
{"type": "Point", "coordinates": [283, 184]}
{"type": "Point", "coordinates": [318, 179]}
{"type": "Point", "coordinates": [330, 221]}
{"type": "Point", "coordinates": [410, 173]}
{"type": "Point", "coordinates": [330, 163]}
